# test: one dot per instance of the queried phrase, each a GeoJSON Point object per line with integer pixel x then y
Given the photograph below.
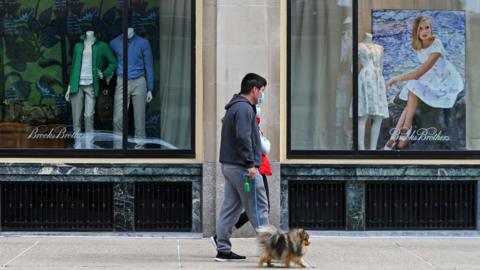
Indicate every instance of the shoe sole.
{"type": "Point", "coordinates": [229, 260]}
{"type": "Point", "coordinates": [213, 242]}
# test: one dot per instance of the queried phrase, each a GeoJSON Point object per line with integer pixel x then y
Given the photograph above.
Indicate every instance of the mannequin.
{"type": "Point", "coordinates": [140, 83]}
{"type": "Point", "coordinates": [91, 61]}
{"type": "Point", "coordinates": [344, 87]}
{"type": "Point", "coordinates": [372, 99]}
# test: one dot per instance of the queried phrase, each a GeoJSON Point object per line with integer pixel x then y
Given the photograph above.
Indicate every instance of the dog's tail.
{"type": "Point", "coordinates": [268, 235]}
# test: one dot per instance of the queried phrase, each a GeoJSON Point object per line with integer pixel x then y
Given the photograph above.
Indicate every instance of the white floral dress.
{"type": "Point", "coordinates": [372, 99]}
{"type": "Point", "coordinates": [440, 85]}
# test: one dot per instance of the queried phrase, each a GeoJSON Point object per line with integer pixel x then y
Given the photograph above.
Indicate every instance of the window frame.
{"type": "Point", "coordinates": [355, 153]}
{"type": "Point", "coordinates": [126, 152]}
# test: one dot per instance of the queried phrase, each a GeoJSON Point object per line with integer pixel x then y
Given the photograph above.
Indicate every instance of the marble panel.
{"type": "Point", "coordinates": [356, 175]}
{"type": "Point", "coordinates": [355, 204]}
{"type": "Point", "coordinates": [124, 206]}
{"type": "Point", "coordinates": [122, 176]}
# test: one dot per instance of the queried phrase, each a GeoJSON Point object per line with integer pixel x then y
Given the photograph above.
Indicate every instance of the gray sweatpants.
{"type": "Point", "coordinates": [235, 200]}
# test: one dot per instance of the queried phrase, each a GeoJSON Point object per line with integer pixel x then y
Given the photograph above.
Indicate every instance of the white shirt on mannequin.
{"type": "Point", "coordinates": [86, 75]}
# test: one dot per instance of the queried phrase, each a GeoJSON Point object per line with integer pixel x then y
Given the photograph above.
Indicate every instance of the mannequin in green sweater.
{"type": "Point", "coordinates": [92, 60]}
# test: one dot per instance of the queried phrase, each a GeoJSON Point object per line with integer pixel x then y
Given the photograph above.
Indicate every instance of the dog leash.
{"type": "Point", "coordinates": [255, 201]}
{"type": "Point", "coordinates": [247, 188]}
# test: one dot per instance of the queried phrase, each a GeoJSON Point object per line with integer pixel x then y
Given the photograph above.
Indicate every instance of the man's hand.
{"type": "Point", "coordinates": [251, 173]}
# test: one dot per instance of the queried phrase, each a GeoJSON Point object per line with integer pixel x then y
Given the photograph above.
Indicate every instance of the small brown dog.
{"type": "Point", "coordinates": [286, 247]}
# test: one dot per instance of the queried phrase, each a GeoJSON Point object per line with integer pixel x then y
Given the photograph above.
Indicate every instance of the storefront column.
{"type": "Point", "coordinates": [355, 191]}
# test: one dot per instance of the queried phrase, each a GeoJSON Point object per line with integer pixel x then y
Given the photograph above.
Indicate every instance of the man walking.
{"type": "Point", "coordinates": [241, 154]}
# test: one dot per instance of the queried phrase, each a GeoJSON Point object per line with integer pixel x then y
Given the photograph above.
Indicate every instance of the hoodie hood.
{"type": "Point", "coordinates": [236, 99]}
{"type": "Point", "coordinates": [240, 141]}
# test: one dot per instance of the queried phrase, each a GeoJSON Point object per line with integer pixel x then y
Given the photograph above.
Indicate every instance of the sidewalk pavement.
{"type": "Point", "coordinates": [92, 252]}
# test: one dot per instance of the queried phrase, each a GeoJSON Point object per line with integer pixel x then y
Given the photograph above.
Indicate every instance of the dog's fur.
{"type": "Point", "coordinates": [286, 247]}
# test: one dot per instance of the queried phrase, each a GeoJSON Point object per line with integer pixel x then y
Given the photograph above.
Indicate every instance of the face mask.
{"type": "Point", "coordinates": [261, 100]}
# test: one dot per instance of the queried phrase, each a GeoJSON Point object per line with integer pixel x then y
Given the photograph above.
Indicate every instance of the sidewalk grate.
{"type": "Point", "coordinates": [163, 206]}
{"type": "Point", "coordinates": [420, 205]}
{"type": "Point", "coordinates": [316, 205]}
{"type": "Point", "coordinates": [56, 206]}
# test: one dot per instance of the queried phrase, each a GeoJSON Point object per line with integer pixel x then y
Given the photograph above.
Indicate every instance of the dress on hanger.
{"type": "Point", "coordinates": [440, 85]}
{"type": "Point", "coordinates": [372, 99]}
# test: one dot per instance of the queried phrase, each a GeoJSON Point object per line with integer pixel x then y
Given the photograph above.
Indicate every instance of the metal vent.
{"type": "Point", "coordinates": [420, 205]}
{"type": "Point", "coordinates": [165, 206]}
{"type": "Point", "coordinates": [316, 205]}
{"type": "Point", "coordinates": [56, 206]}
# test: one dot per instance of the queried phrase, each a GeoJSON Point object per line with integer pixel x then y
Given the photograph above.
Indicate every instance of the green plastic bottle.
{"type": "Point", "coordinates": [246, 183]}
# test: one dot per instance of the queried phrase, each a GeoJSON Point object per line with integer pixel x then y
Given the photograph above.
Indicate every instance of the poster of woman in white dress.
{"type": "Point", "coordinates": [424, 69]}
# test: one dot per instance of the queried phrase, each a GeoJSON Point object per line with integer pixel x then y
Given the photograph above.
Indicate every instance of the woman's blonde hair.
{"type": "Point", "coordinates": [416, 41]}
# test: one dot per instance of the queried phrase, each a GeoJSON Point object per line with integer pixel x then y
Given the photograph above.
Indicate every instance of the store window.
{"type": "Point", "coordinates": [66, 83]}
{"type": "Point", "coordinates": [320, 74]}
{"type": "Point", "coordinates": [416, 76]}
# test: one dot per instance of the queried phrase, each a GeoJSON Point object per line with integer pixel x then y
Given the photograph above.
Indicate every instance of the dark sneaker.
{"type": "Point", "coordinates": [229, 257]}
{"type": "Point", "coordinates": [213, 239]}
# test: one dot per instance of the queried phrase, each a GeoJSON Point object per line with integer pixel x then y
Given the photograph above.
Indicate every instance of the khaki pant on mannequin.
{"type": "Point", "coordinates": [374, 131]}
{"type": "Point", "coordinates": [83, 101]}
{"type": "Point", "coordinates": [137, 91]}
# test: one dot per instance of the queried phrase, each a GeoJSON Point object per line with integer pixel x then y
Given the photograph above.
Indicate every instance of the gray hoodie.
{"type": "Point", "coordinates": [240, 143]}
